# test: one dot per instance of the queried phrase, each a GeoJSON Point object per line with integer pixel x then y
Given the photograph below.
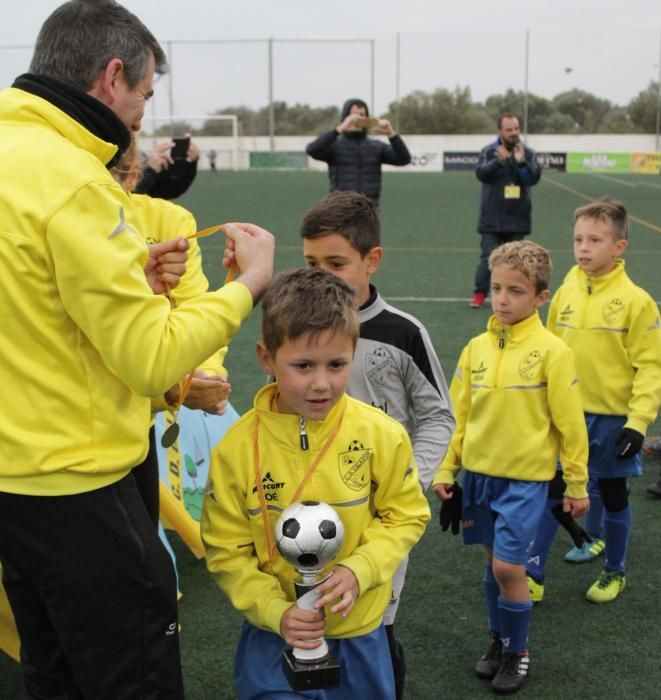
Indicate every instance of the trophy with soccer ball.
{"type": "Point", "coordinates": [309, 534]}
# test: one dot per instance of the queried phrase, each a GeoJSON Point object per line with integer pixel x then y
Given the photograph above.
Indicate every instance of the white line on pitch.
{"type": "Point", "coordinates": [609, 178]}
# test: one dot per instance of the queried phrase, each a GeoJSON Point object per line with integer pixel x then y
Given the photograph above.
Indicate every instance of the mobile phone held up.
{"type": "Point", "coordinates": [178, 153]}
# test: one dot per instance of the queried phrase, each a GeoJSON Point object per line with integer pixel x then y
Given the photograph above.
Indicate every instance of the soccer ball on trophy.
{"type": "Point", "coordinates": [309, 534]}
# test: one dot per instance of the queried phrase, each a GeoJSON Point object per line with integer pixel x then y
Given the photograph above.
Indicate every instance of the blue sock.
{"type": "Point", "coordinates": [617, 527]}
{"type": "Point", "coordinates": [514, 622]}
{"type": "Point", "coordinates": [541, 545]}
{"type": "Point", "coordinates": [594, 518]}
{"type": "Point", "coordinates": [492, 591]}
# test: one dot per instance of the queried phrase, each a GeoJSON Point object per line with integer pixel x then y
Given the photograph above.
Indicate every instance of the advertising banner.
{"type": "Point", "coordinates": [460, 160]}
{"type": "Point", "coordinates": [553, 161]}
{"type": "Point", "coordinates": [646, 163]}
{"type": "Point", "coordinates": [599, 162]}
{"type": "Point", "coordinates": [426, 161]}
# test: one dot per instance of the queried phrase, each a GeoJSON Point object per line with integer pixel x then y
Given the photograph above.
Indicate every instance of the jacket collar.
{"type": "Point", "coordinates": [284, 428]}
{"type": "Point", "coordinates": [516, 333]}
{"type": "Point", "coordinates": [597, 284]}
{"type": "Point", "coordinates": [98, 119]}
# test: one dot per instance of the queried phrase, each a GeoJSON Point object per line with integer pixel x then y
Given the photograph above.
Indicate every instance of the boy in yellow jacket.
{"type": "Point", "coordinates": [305, 439]}
{"type": "Point", "coordinates": [614, 331]}
{"type": "Point", "coordinates": [518, 406]}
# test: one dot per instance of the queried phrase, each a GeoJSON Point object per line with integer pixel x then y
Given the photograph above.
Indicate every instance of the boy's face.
{"type": "Point", "coordinates": [336, 255]}
{"type": "Point", "coordinates": [595, 247]}
{"type": "Point", "coordinates": [513, 295]}
{"type": "Point", "coordinates": [312, 372]}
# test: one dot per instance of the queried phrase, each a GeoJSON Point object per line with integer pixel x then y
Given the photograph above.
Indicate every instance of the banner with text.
{"type": "Point", "coordinates": [646, 163]}
{"type": "Point", "coordinates": [599, 162]}
{"type": "Point", "coordinates": [460, 160]}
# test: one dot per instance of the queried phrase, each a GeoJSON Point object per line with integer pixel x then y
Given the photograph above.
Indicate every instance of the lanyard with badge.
{"type": "Point", "coordinates": [268, 534]}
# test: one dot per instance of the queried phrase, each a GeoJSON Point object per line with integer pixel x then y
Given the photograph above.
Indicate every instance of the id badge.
{"type": "Point", "coordinates": [512, 192]}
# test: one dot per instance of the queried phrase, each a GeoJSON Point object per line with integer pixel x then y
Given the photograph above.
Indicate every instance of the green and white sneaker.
{"type": "Point", "coordinates": [607, 587]}
{"type": "Point", "coordinates": [588, 552]}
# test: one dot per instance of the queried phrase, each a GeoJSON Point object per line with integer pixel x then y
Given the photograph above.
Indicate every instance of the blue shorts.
{"type": "Point", "coordinates": [502, 514]}
{"type": "Point", "coordinates": [365, 663]}
{"type": "Point", "coordinates": [603, 463]}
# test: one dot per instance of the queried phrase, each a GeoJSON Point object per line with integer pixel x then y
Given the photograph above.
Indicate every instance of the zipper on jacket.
{"type": "Point", "coordinates": [589, 286]}
{"type": "Point", "coordinates": [501, 340]}
{"type": "Point", "coordinates": [304, 436]}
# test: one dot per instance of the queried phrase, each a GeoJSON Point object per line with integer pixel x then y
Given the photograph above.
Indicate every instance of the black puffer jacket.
{"type": "Point", "coordinates": [354, 160]}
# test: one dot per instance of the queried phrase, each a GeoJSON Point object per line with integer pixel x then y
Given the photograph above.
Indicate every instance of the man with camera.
{"type": "Point", "coordinates": [507, 168]}
{"type": "Point", "coordinates": [354, 159]}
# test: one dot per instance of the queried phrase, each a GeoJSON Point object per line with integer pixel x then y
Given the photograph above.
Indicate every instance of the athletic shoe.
{"type": "Point", "coordinates": [513, 671]}
{"type": "Point", "coordinates": [607, 587]}
{"type": "Point", "coordinates": [488, 665]}
{"type": "Point", "coordinates": [588, 552]}
{"type": "Point", "coordinates": [652, 447]}
{"type": "Point", "coordinates": [536, 589]}
{"type": "Point", "coordinates": [655, 488]}
{"type": "Point", "coordinates": [477, 302]}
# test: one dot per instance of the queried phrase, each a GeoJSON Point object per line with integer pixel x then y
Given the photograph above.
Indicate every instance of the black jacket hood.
{"type": "Point", "coordinates": [346, 107]}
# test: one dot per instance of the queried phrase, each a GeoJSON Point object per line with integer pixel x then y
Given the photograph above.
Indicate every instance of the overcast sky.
{"type": "Point", "coordinates": [608, 47]}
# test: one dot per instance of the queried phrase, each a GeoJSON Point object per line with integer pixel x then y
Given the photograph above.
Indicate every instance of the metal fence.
{"type": "Point", "coordinates": [213, 74]}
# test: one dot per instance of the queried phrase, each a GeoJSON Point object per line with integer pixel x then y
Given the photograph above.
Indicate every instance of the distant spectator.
{"type": "Point", "coordinates": [354, 160]}
{"type": "Point", "coordinates": [159, 179]}
{"type": "Point", "coordinates": [211, 155]}
{"type": "Point", "coordinates": [506, 169]}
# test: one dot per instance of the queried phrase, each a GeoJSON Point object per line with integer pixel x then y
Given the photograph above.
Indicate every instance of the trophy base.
{"type": "Point", "coordinates": [310, 676]}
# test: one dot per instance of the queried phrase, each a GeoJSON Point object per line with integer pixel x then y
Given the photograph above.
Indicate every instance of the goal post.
{"type": "Point", "coordinates": [225, 147]}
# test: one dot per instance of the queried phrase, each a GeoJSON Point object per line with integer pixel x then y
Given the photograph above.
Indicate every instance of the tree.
{"type": "Point", "coordinates": [585, 109]}
{"type": "Point", "coordinates": [440, 112]}
{"type": "Point", "coordinates": [643, 108]}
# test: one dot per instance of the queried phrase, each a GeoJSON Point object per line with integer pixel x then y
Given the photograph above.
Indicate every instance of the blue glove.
{"type": "Point", "coordinates": [628, 443]}
{"type": "Point", "coordinates": [451, 510]}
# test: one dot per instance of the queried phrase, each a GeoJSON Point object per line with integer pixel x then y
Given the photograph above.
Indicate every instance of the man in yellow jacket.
{"type": "Point", "coordinates": [83, 342]}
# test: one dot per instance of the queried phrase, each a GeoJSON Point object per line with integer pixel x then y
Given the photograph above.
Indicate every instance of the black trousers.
{"type": "Point", "coordinates": [488, 243]}
{"type": "Point", "coordinates": [93, 592]}
{"type": "Point", "coordinates": [147, 479]}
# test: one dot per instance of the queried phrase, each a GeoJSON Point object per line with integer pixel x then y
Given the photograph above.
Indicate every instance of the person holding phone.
{"type": "Point", "coordinates": [169, 170]}
{"type": "Point", "coordinates": [507, 168]}
{"type": "Point", "coordinates": [354, 159]}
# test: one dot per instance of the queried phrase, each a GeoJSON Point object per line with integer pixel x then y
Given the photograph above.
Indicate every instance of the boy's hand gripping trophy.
{"type": "Point", "coordinates": [309, 534]}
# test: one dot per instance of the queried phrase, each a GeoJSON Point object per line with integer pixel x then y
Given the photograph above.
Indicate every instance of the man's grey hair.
{"type": "Point", "coordinates": [81, 37]}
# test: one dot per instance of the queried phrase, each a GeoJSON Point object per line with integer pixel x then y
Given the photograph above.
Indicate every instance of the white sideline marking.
{"type": "Point", "coordinates": [609, 178]}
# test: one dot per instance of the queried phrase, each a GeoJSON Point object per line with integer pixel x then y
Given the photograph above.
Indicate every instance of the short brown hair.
{"type": "Point", "coordinates": [528, 258]}
{"type": "Point", "coordinates": [350, 214]}
{"type": "Point", "coordinates": [307, 300]}
{"type": "Point", "coordinates": [610, 212]}
{"type": "Point", "coordinates": [507, 115]}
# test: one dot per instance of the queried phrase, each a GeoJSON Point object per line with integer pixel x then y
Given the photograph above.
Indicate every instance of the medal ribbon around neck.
{"type": "Point", "coordinates": [171, 433]}
{"type": "Point", "coordinates": [270, 544]}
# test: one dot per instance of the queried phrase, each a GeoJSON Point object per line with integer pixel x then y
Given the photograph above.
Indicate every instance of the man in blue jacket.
{"type": "Point", "coordinates": [354, 160]}
{"type": "Point", "coordinates": [507, 169]}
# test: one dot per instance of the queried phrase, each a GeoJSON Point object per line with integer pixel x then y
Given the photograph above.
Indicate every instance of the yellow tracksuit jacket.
{"type": "Point", "coordinates": [518, 405]}
{"type": "Point", "coordinates": [368, 475]}
{"type": "Point", "coordinates": [613, 328]}
{"type": "Point", "coordinates": [82, 337]}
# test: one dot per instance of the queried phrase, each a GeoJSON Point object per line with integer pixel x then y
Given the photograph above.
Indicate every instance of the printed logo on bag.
{"type": "Point", "coordinates": [377, 364]}
{"type": "Point", "coordinates": [530, 366]}
{"type": "Point", "coordinates": [271, 487]}
{"type": "Point", "coordinates": [614, 312]}
{"type": "Point", "coordinates": [354, 464]}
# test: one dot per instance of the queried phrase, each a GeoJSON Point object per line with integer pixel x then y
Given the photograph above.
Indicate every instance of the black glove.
{"type": "Point", "coordinates": [451, 510]}
{"type": "Point", "coordinates": [576, 532]}
{"type": "Point", "coordinates": [629, 443]}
